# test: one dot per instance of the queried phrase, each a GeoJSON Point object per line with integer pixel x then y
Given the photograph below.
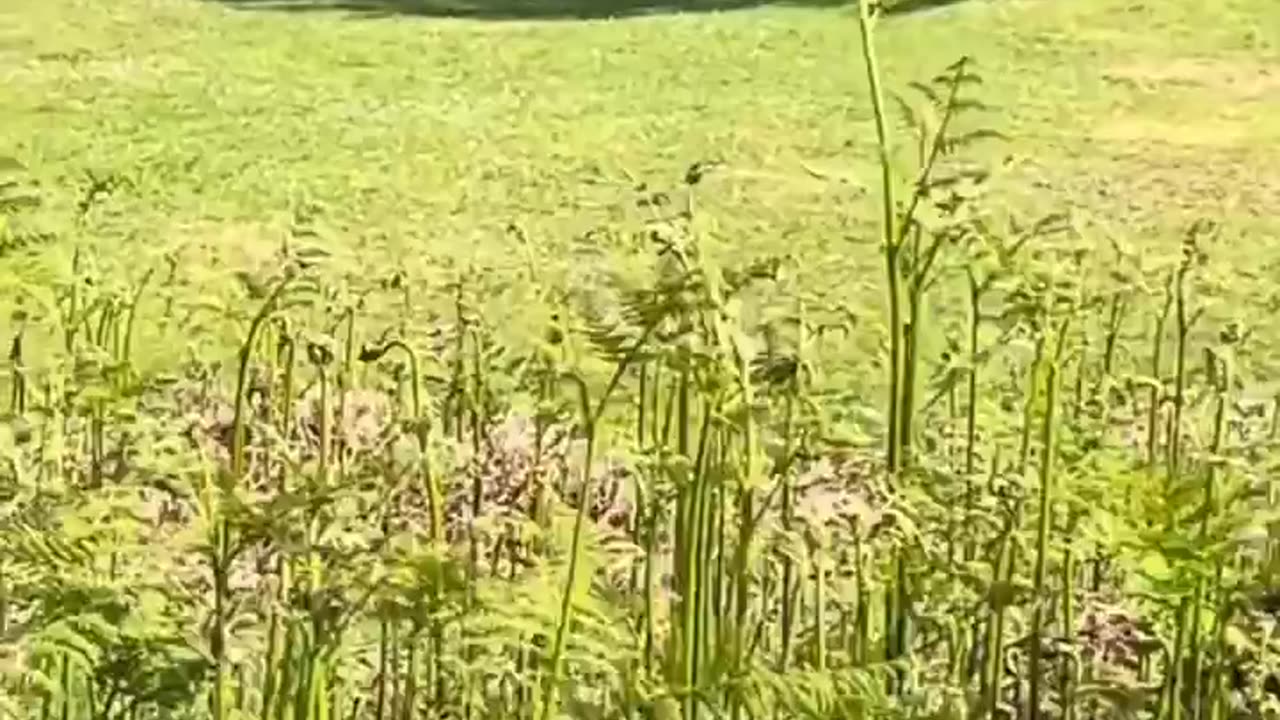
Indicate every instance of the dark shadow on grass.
{"type": "Point", "coordinates": [518, 9]}
{"type": "Point", "coordinates": [904, 7]}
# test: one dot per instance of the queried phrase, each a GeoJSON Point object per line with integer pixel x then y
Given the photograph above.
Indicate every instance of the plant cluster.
{"type": "Point", "coordinates": [661, 505]}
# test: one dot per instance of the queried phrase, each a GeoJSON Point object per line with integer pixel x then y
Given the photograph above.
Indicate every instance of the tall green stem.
{"type": "Point", "coordinates": [1047, 453]}
{"type": "Point", "coordinates": [1153, 407]}
{"type": "Point", "coordinates": [1180, 374]}
{"type": "Point", "coordinates": [891, 245]}
{"type": "Point", "coordinates": [590, 418]}
{"type": "Point", "coordinates": [222, 534]}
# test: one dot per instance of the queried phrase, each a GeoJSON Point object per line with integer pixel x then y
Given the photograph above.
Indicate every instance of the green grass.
{"type": "Point", "coordinates": [473, 178]}
{"type": "Point", "coordinates": [440, 132]}
{"type": "Point", "coordinates": [426, 138]}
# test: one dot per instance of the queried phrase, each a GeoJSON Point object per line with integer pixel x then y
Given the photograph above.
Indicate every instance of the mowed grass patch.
{"type": "Point", "coordinates": [435, 135]}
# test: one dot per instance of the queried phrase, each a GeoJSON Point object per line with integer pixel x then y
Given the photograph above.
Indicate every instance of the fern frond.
{"type": "Point", "coordinates": [930, 93]}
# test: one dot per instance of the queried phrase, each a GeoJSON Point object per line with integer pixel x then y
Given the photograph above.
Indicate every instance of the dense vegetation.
{"type": "Point", "coordinates": [650, 473]}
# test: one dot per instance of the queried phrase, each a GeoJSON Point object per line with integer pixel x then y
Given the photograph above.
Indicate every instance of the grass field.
{"type": "Point", "coordinates": [472, 180]}
{"type": "Point", "coordinates": [442, 131]}
{"type": "Point", "coordinates": [432, 135]}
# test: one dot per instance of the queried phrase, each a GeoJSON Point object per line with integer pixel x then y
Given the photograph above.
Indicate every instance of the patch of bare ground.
{"type": "Point", "coordinates": [1205, 135]}
{"type": "Point", "coordinates": [1158, 169]}
{"type": "Point", "coordinates": [1232, 80]}
{"type": "Point", "coordinates": [1153, 186]}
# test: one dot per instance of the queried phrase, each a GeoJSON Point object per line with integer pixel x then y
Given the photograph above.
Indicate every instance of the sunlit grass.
{"type": "Point", "coordinates": [402, 367]}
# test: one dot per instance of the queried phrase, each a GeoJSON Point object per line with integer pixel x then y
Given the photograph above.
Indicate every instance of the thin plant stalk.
{"type": "Point", "coordinates": [1183, 330]}
{"type": "Point", "coordinates": [1155, 397]}
{"type": "Point", "coordinates": [222, 539]}
{"type": "Point", "coordinates": [590, 419]}
{"type": "Point", "coordinates": [1218, 674]}
{"type": "Point", "coordinates": [971, 405]}
{"type": "Point", "coordinates": [1220, 378]}
{"type": "Point", "coordinates": [1002, 575]}
{"type": "Point", "coordinates": [1048, 448]}
{"type": "Point", "coordinates": [891, 245]}
{"type": "Point", "coordinates": [288, 347]}
{"type": "Point", "coordinates": [1173, 707]}
{"type": "Point", "coordinates": [1066, 691]}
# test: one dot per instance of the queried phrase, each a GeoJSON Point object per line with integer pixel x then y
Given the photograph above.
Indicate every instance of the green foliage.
{"type": "Point", "coordinates": [632, 484]}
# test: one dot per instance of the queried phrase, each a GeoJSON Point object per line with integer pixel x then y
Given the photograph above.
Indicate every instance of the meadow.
{"type": "Point", "coordinates": [397, 359]}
